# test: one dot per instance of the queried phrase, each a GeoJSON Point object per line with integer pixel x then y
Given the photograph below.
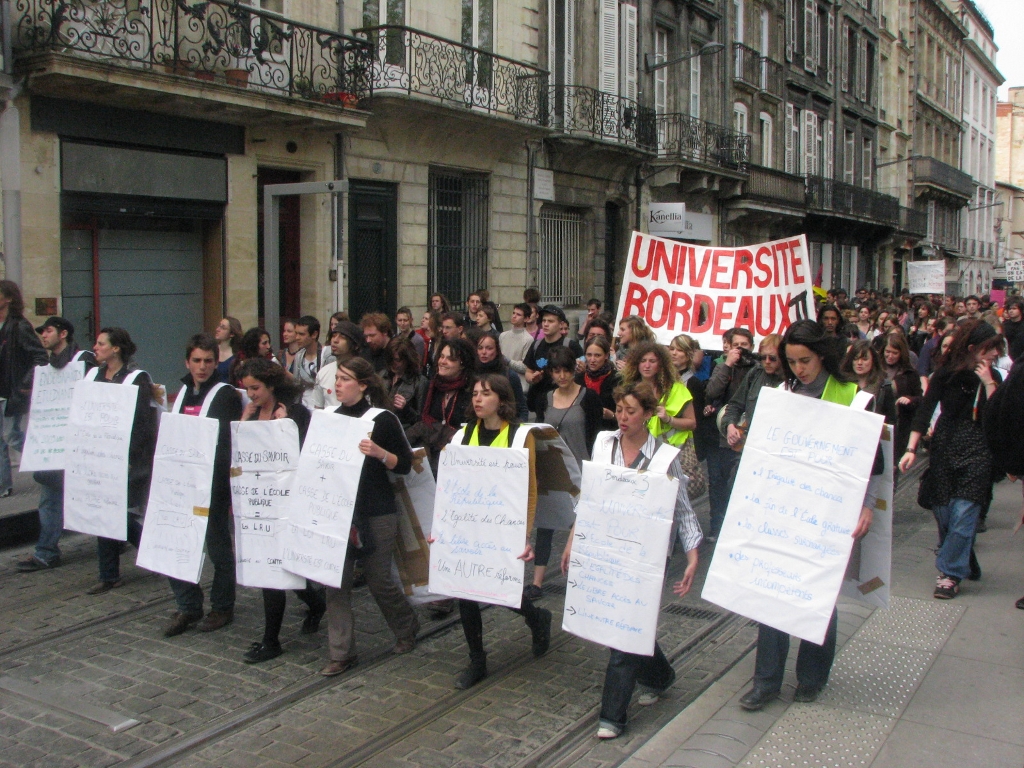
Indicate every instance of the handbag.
{"type": "Point", "coordinates": [698, 485]}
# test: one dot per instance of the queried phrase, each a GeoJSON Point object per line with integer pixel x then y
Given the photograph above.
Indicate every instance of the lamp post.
{"type": "Point", "coordinates": [704, 50]}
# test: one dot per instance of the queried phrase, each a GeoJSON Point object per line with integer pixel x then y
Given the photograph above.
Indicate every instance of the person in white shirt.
{"type": "Point", "coordinates": [516, 341]}
{"type": "Point", "coordinates": [346, 341]}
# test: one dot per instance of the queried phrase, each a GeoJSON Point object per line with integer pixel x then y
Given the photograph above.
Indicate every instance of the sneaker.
{"type": "Point", "coordinates": [608, 731]}
{"type": "Point", "coordinates": [533, 592]}
{"type": "Point", "coordinates": [180, 622]}
{"type": "Point", "coordinates": [35, 564]}
{"type": "Point", "coordinates": [262, 652]}
{"type": "Point", "coordinates": [946, 587]}
{"type": "Point", "coordinates": [648, 698]}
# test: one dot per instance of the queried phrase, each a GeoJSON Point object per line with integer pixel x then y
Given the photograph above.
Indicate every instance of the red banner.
{"type": "Point", "coordinates": [704, 291]}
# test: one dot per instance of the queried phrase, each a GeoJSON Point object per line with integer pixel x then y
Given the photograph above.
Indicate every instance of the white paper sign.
{"type": "Point", "coordinates": [45, 440]}
{"type": "Point", "coordinates": [96, 459]}
{"type": "Point", "coordinates": [869, 573]}
{"type": "Point", "coordinates": [414, 495]}
{"type": "Point", "coordinates": [926, 276]}
{"type": "Point", "coordinates": [1015, 270]}
{"type": "Point", "coordinates": [178, 510]}
{"type": "Point", "coordinates": [786, 538]}
{"type": "Point", "coordinates": [264, 459]}
{"type": "Point", "coordinates": [315, 540]}
{"type": "Point", "coordinates": [617, 568]}
{"type": "Point", "coordinates": [479, 528]}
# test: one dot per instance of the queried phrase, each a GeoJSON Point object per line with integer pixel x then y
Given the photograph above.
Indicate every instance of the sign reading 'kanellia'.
{"type": "Point", "coordinates": [704, 291]}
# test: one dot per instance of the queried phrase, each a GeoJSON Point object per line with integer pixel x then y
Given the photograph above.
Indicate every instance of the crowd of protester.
{"type": "Point", "coordinates": [935, 366]}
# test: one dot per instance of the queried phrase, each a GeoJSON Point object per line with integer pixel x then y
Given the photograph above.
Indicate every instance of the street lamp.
{"type": "Point", "coordinates": [704, 50]}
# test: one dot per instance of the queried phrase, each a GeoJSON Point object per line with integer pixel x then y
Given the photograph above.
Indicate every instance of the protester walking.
{"type": "Point", "coordinates": [601, 377]}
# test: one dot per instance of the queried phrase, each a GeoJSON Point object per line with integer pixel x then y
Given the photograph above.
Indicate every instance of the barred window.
{"type": "Point", "coordinates": [561, 241]}
{"type": "Point", "coordinates": [457, 234]}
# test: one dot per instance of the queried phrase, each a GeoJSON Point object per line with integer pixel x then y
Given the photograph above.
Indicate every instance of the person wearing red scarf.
{"type": "Point", "coordinates": [601, 376]}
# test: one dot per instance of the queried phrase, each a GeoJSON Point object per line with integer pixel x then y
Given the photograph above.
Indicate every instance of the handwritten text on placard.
{"type": "Point", "coordinates": [46, 439]}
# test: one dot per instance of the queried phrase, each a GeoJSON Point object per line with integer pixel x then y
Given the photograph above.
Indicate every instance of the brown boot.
{"type": "Point", "coordinates": [181, 622]}
{"type": "Point", "coordinates": [216, 620]}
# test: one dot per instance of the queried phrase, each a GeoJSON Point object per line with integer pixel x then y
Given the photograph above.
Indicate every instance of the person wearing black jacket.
{"type": "Point", "coordinates": [58, 338]}
{"type": "Point", "coordinates": [203, 395]}
{"type": "Point", "coordinates": [386, 450]}
{"type": "Point", "coordinates": [551, 318]}
{"type": "Point", "coordinates": [600, 376]}
{"type": "Point", "coordinates": [20, 353]}
{"type": "Point", "coordinates": [114, 350]}
{"type": "Point", "coordinates": [1012, 330]}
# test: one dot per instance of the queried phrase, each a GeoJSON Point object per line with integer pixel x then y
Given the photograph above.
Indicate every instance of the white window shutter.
{"type": "Point", "coordinates": [862, 67]}
{"type": "Point", "coordinates": [829, 149]}
{"type": "Point", "coordinates": [810, 14]}
{"type": "Point", "coordinates": [627, 55]}
{"type": "Point", "coordinates": [570, 42]}
{"type": "Point", "coordinates": [790, 29]}
{"type": "Point", "coordinates": [844, 57]}
{"type": "Point", "coordinates": [552, 34]}
{"type": "Point", "coordinates": [818, 61]}
{"type": "Point", "coordinates": [830, 56]}
{"type": "Point", "coordinates": [608, 79]}
{"type": "Point", "coordinates": [867, 163]}
{"type": "Point", "coordinates": [790, 149]}
{"type": "Point", "coordinates": [848, 161]}
{"type": "Point", "coordinates": [809, 125]}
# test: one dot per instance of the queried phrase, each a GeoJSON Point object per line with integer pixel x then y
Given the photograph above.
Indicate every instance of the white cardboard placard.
{"type": "Point", "coordinates": [617, 565]}
{"type": "Point", "coordinates": [96, 459]}
{"type": "Point", "coordinates": [786, 538]}
{"type": "Point", "coordinates": [48, 416]}
{"type": "Point", "coordinates": [868, 576]}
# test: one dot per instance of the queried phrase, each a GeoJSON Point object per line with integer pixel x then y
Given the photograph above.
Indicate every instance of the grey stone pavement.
{"type": "Point", "coordinates": [925, 683]}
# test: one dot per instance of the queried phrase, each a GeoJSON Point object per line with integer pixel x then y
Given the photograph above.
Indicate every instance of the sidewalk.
{"type": "Point", "coordinates": [927, 683]}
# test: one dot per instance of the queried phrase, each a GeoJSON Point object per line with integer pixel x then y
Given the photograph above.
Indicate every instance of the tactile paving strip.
{"type": "Point", "coordinates": [914, 623]}
{"type": "Point", "coordinates": [879, 679]}
{"type": "Point", "coordinates": [824, 737]}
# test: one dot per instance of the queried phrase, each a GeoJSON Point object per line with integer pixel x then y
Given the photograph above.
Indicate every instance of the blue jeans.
{"type": "Point", "coordinates": [957, 522]}
{"type": "Point", "coordinates": [51, 513]}
{"type": "Point", "coordinates": [109, 550]}
{"type": "Point", "coordinates": [12, 435]}
{"type": "Point", "coordinates": [188, 596]}
{"type": "Point", "coordinates": [721, 473]}
{"type": "Point", "coordinates": [624, 671]}
{"type": "Point", "coordinates": [813, 663]}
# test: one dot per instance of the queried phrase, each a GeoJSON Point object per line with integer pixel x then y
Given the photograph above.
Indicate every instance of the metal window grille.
{"type": "Point", "coordinates": [457, 234]}
{"type": "Point", "coordinates": [561, 239]}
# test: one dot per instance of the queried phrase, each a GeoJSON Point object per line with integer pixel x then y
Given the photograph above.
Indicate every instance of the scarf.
{"type": "Point", "coordinates": [593, 380]}
{"type": "Point", "coordinates": [438, 384]}
{"type": "Point", "coordinates": [497, 365]}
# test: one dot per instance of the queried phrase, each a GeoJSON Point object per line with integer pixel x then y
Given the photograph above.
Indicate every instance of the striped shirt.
{"type": "Point", "coordinates": [689, 529]}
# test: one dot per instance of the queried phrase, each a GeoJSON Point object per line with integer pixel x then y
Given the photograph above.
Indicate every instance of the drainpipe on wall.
{"type": "Point", "coordinates": [532, 263]}
{"type": "Point", "coordinates": [338, 215]}
{"type": "Point", "coordinates": [10, 181]}
{"type": "Point", "coordinates": [638, 179]}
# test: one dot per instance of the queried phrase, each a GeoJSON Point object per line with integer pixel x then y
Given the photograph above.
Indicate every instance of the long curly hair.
{"type": "Point", "coordinates": [667, 374]}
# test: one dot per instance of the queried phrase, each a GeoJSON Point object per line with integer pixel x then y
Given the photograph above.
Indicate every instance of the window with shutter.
{"type": "Point", "coordinates": [790, 138]}
{"type": "Point", "coordinates": [810, 15]}
{"type": "Point", "coordinates": [810, 142]}
{"type": "Point", "coordinates": [661, 75]}
{"type": "Point", "coordinates": [627, 54]}
{"type": "Point", "coordinates": [828, 150]}
{"type": "Point", "coordinates": [862, 69]}
{"type": "Point", "coordinates": [848, 157]}
{"type": "Point", "coordinates": [739, 117]}
{"type": "Point", "coordinates": [830, 56]}
{"type": "Point", "coordinates": [767, 141]}
{"type": "Point", "coordinates": [844, 54]}
{"type": "Point", "coordinates": [790, 29]}
{"type": "Point", "coordinates": [695, 82]}
{"type": "Point", "coordinates": [867, 164]}
{"type": "Point", "coordinates": [818, 60]}
{"type": "Point", "coordinates": [608, 78]}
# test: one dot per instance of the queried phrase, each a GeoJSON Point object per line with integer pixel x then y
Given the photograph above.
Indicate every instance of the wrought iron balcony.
{"type": "Point", "coordinates": [208, 40]}
{"type": "Point", "coordinates": [579, 110]}
{"type": "Point", "coordinates": [913, 222]}
{"type": "Point", "coordinates": [775, 186]}
{"type": "Point", "coordinates": [747, 63]}
{"type": "Point", "coordinates": [419, 64]}
{"type": "Point", "coordinates": [846, 199]}
{"type": "Point", "coordinates": [929, 171]}
{"type": "Point", "coordinates": [681, 137]}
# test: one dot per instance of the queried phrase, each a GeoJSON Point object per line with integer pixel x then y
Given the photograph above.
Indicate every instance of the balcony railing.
{"type": "Point", "coordinates": [417, 63]}
{"type": "Point", "coordinates": [775, 186]}
{"type": "Point", "coordinates": [928, 170]}
{"type": "Point", "coordinates": [690, 139]}
{"type": "Point", "coordinates": [579, 110]}
{"type": "Point", "coordinates": [213, 39]}
{"type": "Point", "coordinates": [773, 79]}
{"type": "Point", "coordinates": [913, 222]}
{"type": "Point", "coordinates": [838, 197]}
{"type": "Point", "coordinates": [747, 65]}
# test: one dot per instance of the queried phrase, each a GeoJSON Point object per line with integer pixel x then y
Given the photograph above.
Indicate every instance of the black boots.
{"type": "Point", "coordinates": [473, 674]}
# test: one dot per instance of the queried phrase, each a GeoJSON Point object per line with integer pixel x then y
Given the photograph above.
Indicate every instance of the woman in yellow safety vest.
{"type": "Point", "coordinates": [674, 420]}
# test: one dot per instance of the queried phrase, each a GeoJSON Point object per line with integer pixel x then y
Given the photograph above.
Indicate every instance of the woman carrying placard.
{"type": "Point", "coordinates": [493, 424]}
{"type": "Point", "coordinates": [375, 515]}
{"type": "Point", "coordinates": [114, 350]}
{"type": "Point", "coordinates": [273, 394]}
{"type": "Point", "coordinates": [633, 445]}
{"type": "Point", "coordinates": [811, 367]}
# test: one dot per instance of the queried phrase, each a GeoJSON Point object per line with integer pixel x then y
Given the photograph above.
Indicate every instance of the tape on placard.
{"type": "Point", "coordinates": [886, 432]}
{"type": "Point", "coordinates": [235, 472]}
{"type": "Point", "coordinates": [201, 511]}
{"type": "Point", "coordinates": [870, 586]}
{"type": "Point", "coordinates": [881, 504]}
